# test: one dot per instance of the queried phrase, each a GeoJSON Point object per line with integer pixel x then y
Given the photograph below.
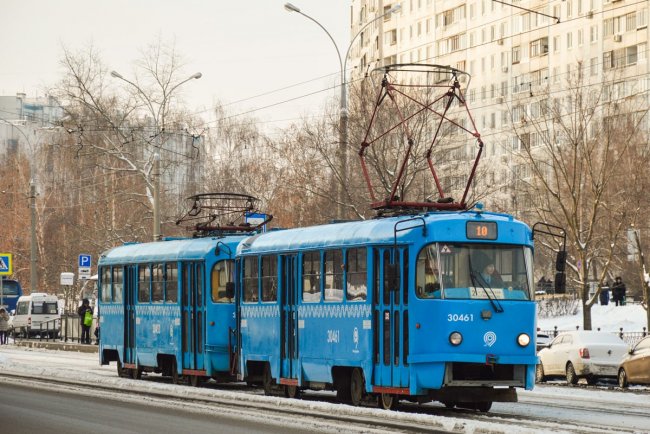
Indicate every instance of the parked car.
{"type": "Point", "coordinates": [581, 354]}
{"type": "Point", "coordinates": [635, 367]}
{"type": "Point", "coordinates": [542, 341]}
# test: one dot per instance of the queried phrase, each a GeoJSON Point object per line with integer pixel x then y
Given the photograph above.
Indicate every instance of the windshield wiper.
{"type": "Point", "coordinates": [476, 277]}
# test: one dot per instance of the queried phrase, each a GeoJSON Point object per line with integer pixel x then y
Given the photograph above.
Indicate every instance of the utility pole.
{"type": "Point", "coordinates": [33, 275]}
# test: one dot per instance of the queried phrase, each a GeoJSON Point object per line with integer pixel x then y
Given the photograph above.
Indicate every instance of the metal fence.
{"type": "Point", "coordinates": [66, 329]}
{"type": "Point", "coordinates": [629, 338]}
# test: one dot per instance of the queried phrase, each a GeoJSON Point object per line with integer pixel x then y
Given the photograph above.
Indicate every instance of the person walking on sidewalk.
{"type": "Point", "coordinates": [4, 326]}
{"type": "Point", "coordinates": [619, 290]}
{"type": "Point", "coordinates": [86, 319]}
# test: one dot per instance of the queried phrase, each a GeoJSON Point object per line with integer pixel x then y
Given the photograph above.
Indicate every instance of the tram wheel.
{"type": "Point", "coordinates": [136, 373]}
{"type": "Point", "coordinates": [483, 407]}
{"type": "Point", "coordinates": [175, 377]}
{"type": "Point", "coordinates": [449, 404]}
{"type": "Point", "coordinates": [292, 392]}
{"type": "Point", "coordinates": [386, 401]}
{"type": "Point", "coordinates": [357, 387]}
{"type": "Point", "coordinates": [267, 380]}
{"type": "Point", "coordinates": [195, 380]}
{"type": "Point", "coordinates": [121, 372]}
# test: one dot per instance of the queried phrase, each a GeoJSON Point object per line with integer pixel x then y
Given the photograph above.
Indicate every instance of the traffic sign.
{"type": "Point", "coordinates": [84, 272]}
{"type": "Point", "coordinates": [85, 260]}
{"type": "Point", "coordinates": [67, 279]}
{"type": "Point", "coordinates": [6, 264]}
{"type": "Point", "coordinates": [256, 219]}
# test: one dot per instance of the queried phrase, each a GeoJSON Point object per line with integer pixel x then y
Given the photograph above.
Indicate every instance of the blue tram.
{"type": "Point", "coordinates": [436, 306]}
{"type": "Point", "coordinates": [168, 307]}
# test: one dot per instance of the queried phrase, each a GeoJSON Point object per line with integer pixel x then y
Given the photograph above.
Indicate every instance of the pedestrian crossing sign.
{"type": "Point", "coordinates": [6, 264]}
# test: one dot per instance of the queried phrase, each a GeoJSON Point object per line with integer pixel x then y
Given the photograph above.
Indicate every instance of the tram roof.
{"type": "Point", "coordinates": [377, 231]}
{"type": "Point", "coordinates": [168, 250]}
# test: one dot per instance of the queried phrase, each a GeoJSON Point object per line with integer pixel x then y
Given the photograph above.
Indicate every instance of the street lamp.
{"type": "Point", "coordinates": [157, 235]}
{"type": "Point", "coordinates": [343, 111]}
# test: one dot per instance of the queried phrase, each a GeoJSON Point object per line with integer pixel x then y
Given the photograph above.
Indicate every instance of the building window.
{"type": "Point", "coordinates": [516, 53]}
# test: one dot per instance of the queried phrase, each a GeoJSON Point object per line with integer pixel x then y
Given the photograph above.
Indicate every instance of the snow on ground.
{"type": "Point", "coordinates": [84, 368]}
{"type": "Point", "coordinates": [609, 318]}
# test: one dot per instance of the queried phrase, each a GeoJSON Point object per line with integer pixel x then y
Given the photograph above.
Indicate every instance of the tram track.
{"type": "Point", "coordinates": [312, 410]}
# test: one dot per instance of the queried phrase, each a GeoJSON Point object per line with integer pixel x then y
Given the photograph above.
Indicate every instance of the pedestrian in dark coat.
{"type": "Point", "coordinates": [85, 327]}
{"type": "Point", "coordinates": [604, 295]}
{"type": "Point", "coordinates": [618, 291]}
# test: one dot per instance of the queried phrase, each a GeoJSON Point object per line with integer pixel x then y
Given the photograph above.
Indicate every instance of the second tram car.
{"type": "Point", "coordinates": [436, 306]}
{"type": "Point", "coordinates": [168, 307]}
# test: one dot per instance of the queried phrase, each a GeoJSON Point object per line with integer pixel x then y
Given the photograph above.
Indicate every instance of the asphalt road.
{"type": "Point", "coordinates": [37, 411]}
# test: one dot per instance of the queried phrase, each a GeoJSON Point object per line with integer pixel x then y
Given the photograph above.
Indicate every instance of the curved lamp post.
{"type": "Point", "coordinates": [343, 111]}
{"type": "Point", "coordinates": [162, 107]}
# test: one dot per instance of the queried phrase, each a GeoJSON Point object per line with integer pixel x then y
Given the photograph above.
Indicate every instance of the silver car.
{"type": "Point", "coordinates": [581, 354]}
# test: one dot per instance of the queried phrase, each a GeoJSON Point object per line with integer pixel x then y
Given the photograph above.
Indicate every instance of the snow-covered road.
{"type": "Point", "coordinates": [549, 408]}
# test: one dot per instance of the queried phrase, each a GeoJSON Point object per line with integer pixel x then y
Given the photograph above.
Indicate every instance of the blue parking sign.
{"type": "Point", "coordinates": [84, 260]}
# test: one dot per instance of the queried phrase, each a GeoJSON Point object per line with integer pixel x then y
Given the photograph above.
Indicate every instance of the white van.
{"type": "Point", "coordinates": [36, 314]}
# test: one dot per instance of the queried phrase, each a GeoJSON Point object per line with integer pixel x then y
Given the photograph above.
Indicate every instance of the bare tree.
{"type": "Point", "coordinates": [580, 173]}
{"type": "Point", "coordinates": [129, 137]}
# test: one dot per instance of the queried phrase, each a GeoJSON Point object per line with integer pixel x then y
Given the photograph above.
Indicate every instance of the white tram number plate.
{"type": "Point", "coordinates": [462, 317]}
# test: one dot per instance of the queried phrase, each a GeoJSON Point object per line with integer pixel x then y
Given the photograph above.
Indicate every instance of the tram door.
{"type": "Point", "coordinates": [192, 323]}
{"type": "Point", "coordinates": [289, 317]}
{"type": "Point", "coordinates": [390, 317]}
{"type": "Point", "coordinates": [130, 298]}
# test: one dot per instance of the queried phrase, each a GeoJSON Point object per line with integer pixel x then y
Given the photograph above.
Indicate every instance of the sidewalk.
{"type": "Point", "coordinates": [57, 345]}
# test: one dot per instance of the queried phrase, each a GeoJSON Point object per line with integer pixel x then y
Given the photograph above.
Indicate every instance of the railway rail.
{"type": "Point", "coordinates": [314, 409]}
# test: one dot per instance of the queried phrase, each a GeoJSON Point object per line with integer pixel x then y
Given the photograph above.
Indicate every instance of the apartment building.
{"type": "Point", "coordinates": [516, 53]}
{"type": "Point", "coordinates": [21, 116]}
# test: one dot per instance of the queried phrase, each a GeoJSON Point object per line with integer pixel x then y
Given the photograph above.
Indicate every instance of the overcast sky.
{"type": "Point", "coordinates": [243, 48]}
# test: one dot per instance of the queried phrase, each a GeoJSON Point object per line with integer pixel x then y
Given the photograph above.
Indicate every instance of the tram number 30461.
{"type": "Point", "coordinates": [462, 317]}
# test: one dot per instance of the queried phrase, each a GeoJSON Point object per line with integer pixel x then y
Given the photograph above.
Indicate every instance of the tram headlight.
{"type": "Point", "coordinates": [523, 339]}
{"type": "Point", "coordinates": [455, 338]}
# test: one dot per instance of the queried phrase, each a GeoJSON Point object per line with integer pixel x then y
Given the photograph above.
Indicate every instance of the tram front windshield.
{"type": "Point", "coordinates": [474, 271]}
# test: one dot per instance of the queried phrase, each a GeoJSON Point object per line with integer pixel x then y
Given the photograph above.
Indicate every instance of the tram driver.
{"type": "Point", "coordinates": [431, 279]}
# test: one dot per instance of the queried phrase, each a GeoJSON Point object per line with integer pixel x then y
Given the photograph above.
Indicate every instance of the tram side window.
{"type": "Point", "coordinates": [157, 295]}
{"type": "Point", "coordinates": [311, 277]}
{"type": "Point", "coordinates": [269, 278]}
{"type": "Point", "coordinates": [144, 283]}
{"type": "Point", "coordinates": [333, 275]}
{"type": "Point", "coordinates": [171, 283]}
{"type": "Point", "coordinates": [118, 283]}
{"type": "Point", "coordinates": [222, 274]}
{"type": "Point", "coordinates": [357, 287]}
{"type": "Point", "coordinates": [251, 274]}
{"type": "Point", "coordinates": [106, 285]}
